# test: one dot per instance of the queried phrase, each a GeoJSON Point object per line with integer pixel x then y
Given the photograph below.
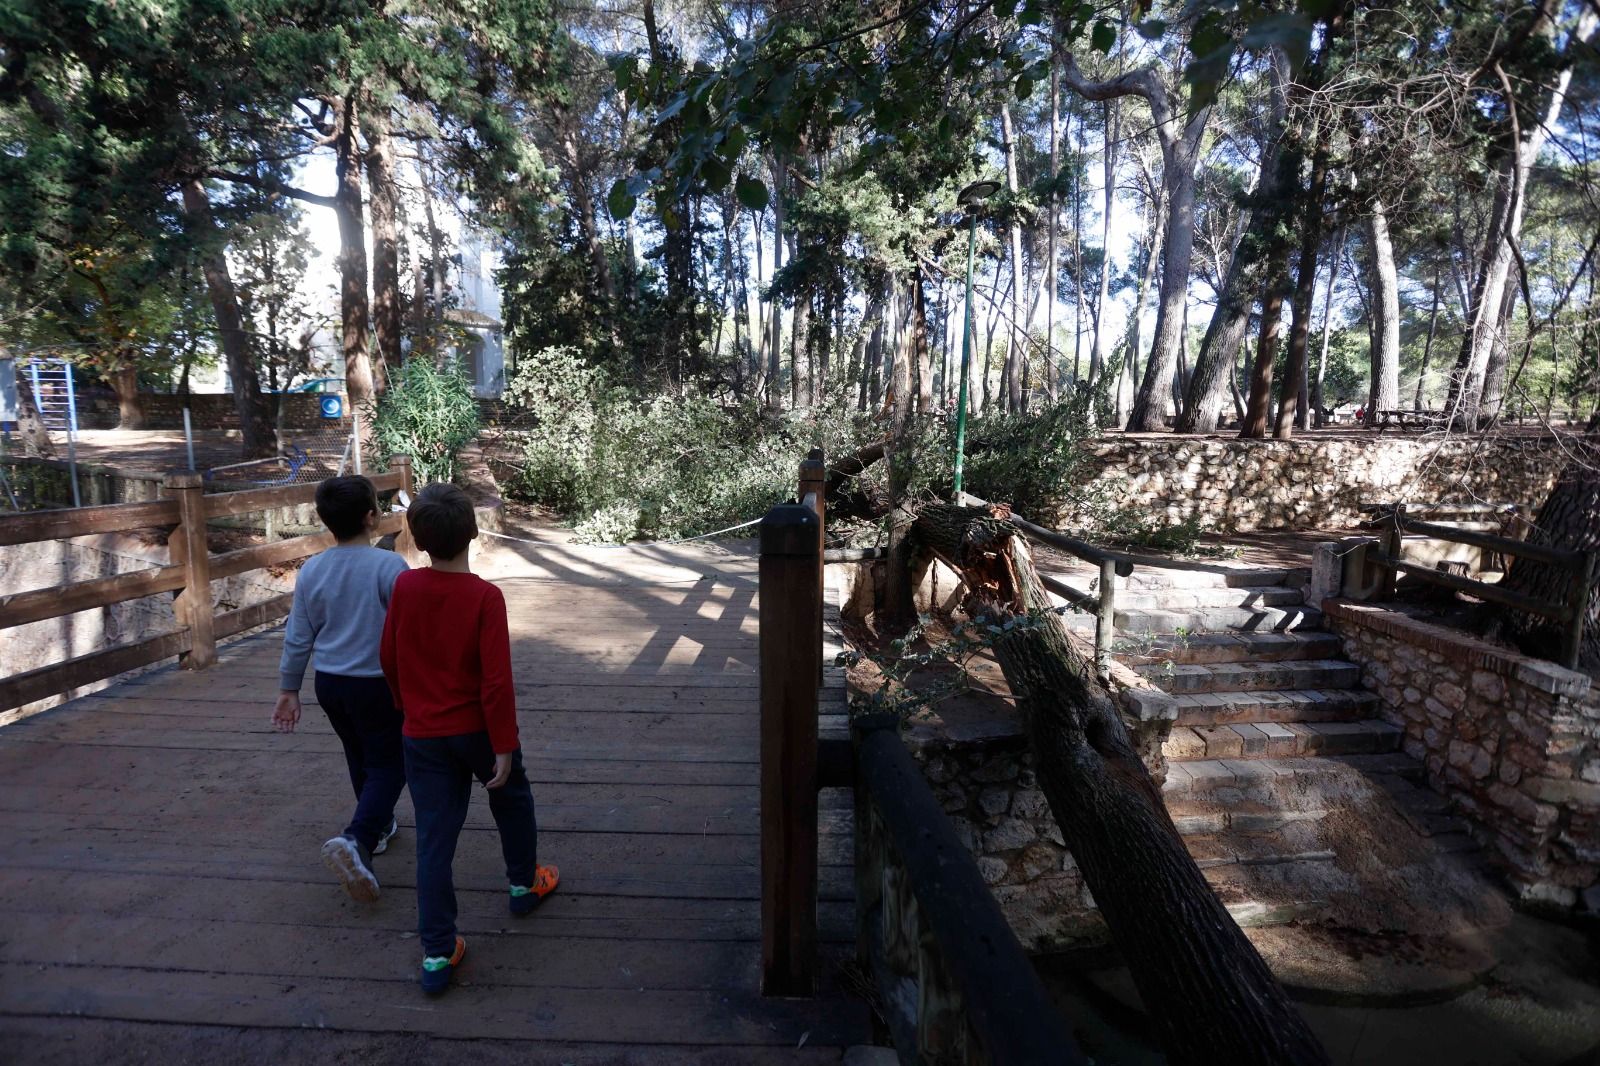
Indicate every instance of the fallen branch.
{"type": "Point", "coordinates": [1209, 992]}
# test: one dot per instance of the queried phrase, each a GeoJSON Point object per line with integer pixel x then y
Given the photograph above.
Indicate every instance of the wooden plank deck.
{"type": "Point", "coordinates": [163, 900]}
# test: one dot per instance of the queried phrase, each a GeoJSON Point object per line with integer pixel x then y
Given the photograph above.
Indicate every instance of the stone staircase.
{"type": "Point", "coordinates": [1274, 733]}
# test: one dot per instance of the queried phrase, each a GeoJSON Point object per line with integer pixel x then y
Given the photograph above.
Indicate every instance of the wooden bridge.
{"type": "Point", "coordinates": [164, 899]}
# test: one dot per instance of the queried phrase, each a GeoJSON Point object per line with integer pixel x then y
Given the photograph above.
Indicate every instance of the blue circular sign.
{"type": "Point", "coordinates": [333, 407]}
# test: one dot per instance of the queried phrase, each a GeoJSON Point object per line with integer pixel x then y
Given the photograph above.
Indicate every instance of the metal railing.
{"type": "Point", "coordinates": [186, 507]}
{"type": "Point", "coordinates": [954, 982]}
{"type": "Point", "coordinates": [1569, 613]}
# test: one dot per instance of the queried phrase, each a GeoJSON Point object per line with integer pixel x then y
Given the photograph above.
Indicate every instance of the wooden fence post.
{"type": "Point", "coordinates": [404, 544]}
{"type": "Point", "coordinates": [790, 603]}
{"type": "Point", "coordinates": [1572, 647]}
{"type": "Point", "coordinates": [1393, 546]}
{"type": "Point", "coordinates": [1105, 629]}
{"type": "Point", "coordinates": [186, 547]}
{"type": "Point", "coordinates": [814, 483]}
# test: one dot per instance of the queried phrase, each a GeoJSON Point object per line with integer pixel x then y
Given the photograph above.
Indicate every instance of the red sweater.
{"type": "Point", "coordinates": [447, 654]}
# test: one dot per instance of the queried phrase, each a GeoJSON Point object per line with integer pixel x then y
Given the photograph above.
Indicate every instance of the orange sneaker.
{"type": "Point", "coordinates": [524, 900]}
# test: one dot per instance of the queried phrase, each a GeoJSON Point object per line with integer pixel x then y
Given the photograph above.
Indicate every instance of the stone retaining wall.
{"type": "Point", "coordinates": [1514, 742]}
{"type": "Point", "coordinates": [981, 771]}
{"type": "Point", "coordinates": [1233, 485]}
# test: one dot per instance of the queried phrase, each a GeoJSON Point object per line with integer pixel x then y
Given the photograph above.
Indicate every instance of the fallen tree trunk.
{"type": "Point", "coordinates": [1208, 991]}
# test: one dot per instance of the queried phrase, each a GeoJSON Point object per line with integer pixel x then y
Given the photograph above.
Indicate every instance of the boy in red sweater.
{"type": "Point", "coordinates": [446, 652]}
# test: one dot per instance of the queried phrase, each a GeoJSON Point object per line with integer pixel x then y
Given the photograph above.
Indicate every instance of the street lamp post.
{"type": "Point", "coordinates": [970, 198]}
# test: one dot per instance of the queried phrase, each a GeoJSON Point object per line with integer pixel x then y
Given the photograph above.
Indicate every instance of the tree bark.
{"type": "Point", "coordinates": [1179, 132]}
{"type": "Point", "coordinates": [1427, 345]}
{"type": "Point", "coordinates": [1318, 400]}
{"type": "Point", "coordinates": [775, 310]}
{"type": "Point", "coordinates": [1260, 398]}
{"type": "Point", "coordinates": [1384, 392]}
{"type": "Point", "coordinates": [354, 308]}
{"type": "Point", "coordinates": [1211, 997]}
{"type": "Point", "coordinates": [385, 207]}
{"type": "Point", "coordinates": [1485, 324]}
{"type": "Point", "coordinates": [1569, 518]}
{"type": "Point", "coordinates": [1100, 351]}
{"type": "Point", "coordinates": [1305, 292]}
{"type": "Point", "coordinates": [1019, 337]}
{"type": "Point", "coordinates": [125, 383]}
{"type": "Point", "coordinates": [255, 420]}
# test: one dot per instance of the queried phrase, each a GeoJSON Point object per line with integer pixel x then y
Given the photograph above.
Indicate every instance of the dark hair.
{"type": "Point", "coordinates": [343, 504]}
{"type": "Point", "coordinates": [442, 521]}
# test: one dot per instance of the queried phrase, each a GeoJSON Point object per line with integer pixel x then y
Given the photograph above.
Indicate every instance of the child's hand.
{"type": "Point", "coordinates": [287, 712]}
{"type": "Point", "coordinates": [502, 771]}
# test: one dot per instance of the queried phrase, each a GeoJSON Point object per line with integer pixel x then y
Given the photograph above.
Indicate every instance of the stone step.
{"type": "Point", "coordinates": [1135, 622]}
{"type": "Point", "coordinates": [1271, 790]}
{"type": "Point", "coordinates": [1275, 740]}
{"type": "Point", "coordinates": [1299, 705]}
{"type": "Point", "coordinates": [1130, 599]}
{"type": "Point", "coordinates": [1189, 678]}
{"type": "Point", "coordinates": [1227, 648]}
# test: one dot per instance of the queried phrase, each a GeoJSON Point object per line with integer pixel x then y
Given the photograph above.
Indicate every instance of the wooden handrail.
{"type": "Point", "coordinates": [63, 523]}
{"type": "Point", "coordinates": [1570, 612]}
{"type": "Point", "coordinates": [1482, 590]}
{"type": "Point", "coordinates": [926, 917]}
{"type": "Point", "coordinates": [192, 569]}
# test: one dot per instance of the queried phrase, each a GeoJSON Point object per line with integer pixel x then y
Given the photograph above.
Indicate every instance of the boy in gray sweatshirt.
{"type": "Point", "coordinates": [340, 599]}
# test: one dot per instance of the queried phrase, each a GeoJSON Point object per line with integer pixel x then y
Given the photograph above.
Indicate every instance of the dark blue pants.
{"type": "Point", "coordinates": [364, 716]}
{"type": "Point", "coordinates": [440, 771]}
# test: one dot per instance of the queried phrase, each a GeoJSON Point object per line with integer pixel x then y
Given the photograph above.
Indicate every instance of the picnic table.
{"type": "Point", "coordinates": [1408, 421]}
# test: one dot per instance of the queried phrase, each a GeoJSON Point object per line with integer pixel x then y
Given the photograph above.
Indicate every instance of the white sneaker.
{"type": "Point", "coordinates": [385, 837]}
{"type": "Point", "coordinates": [343, 856]}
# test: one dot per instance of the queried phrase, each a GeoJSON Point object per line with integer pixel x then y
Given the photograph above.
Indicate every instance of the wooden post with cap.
{"type": "Point", "coordinates": [186, 546]}
{"type": "Point", "coordinates": [790, 605]}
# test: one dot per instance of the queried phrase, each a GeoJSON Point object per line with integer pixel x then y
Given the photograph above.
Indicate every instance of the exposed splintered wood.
{"type": "Point", "coordinates": [1211, 996]}
{"type": "Point", "coordinates": [159, 866]}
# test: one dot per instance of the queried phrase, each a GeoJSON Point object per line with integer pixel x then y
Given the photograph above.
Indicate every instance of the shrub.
{"type": "Point", "coordinates": [428, 413]}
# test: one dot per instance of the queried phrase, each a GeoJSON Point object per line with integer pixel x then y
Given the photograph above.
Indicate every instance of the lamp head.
{"type": "Point", "coordinates": [977, 192]}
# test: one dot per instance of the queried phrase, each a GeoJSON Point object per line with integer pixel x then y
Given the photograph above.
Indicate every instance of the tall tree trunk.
{"type": "Point", "coordinates": [775, 308]}
{"type": "Point", "coordinates": [1111, 112]}
{"type": "Point", "coordinates": [799, 353]}
{"type": "Point", "coordinates": [354, 308]}
{"type": "Point", "coordinates": [1259, 403]}
{"type": "Point", "coordinates": [1485, 324]}
{"type": "Point", "coordinates": [125, 383]}
{"type": "Point", "coordinates": [1427, 345]}
{"type": "Point", "coordinates": [1305, 292]}
{"type": "Point", "coordinates": [1225, 333]}
{"type": "Point", "coordinates": [255, 420]}
{"type": "Point", "coordinates": [1319, 402]}
{"type": "Point", "coordinates": [1177, 178]}
{"type": "Point", "coordinates": [1052, 275]}
{"type": "Point", "coordinates": [1384, 394]}
{"type": "Point", "coordinates": [1494, 375]}
{"type": "Point", "coordinates": [1013, 369]}
{"type": "Point", "coordinates": [385, 207]}
{"type": "Point", "coordinates": [1211, 997]}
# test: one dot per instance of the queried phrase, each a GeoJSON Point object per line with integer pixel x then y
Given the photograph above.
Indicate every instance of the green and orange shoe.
{"type": "Point", "coordinates": [437, 969]}
{"type": "Point", "coordinates": [525, 899]}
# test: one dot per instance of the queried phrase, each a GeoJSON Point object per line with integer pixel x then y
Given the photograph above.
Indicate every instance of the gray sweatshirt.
{"type": "Point", "coordinates": [340, 599]}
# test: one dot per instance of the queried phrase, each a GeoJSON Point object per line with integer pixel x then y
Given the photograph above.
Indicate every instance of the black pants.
{"type": "Point", "coordinates": [363, 713]}
{"type": "Point", "coordinates": [440, 771]}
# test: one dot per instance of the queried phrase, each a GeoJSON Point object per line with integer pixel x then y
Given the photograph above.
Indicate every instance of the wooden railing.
{"type": "Point", "coordinates": [186, 508]}
{"type": "Point", "coordinates": [1112, 564]}
{"type": "Point", "coordinates": [1569, 612]}
{"type": "Point", "coordinates": [955, 983]}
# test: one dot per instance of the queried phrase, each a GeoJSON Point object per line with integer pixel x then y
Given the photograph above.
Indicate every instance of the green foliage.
{"type": "Point", "coordinates": [1033, 461]}
{"type": "Point", "coordinates": [626, 465]}
{"type": "Point", "coordinates": [427, 413]}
